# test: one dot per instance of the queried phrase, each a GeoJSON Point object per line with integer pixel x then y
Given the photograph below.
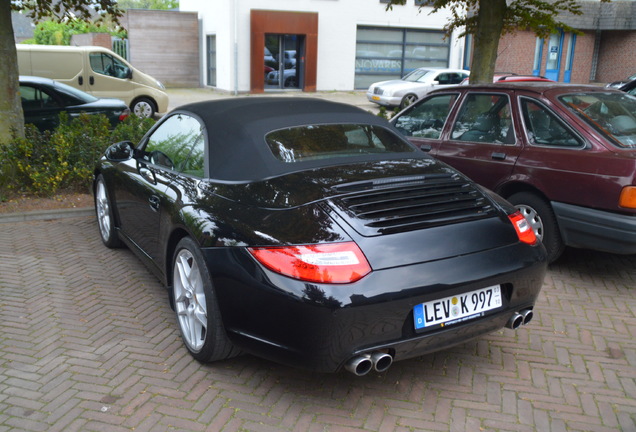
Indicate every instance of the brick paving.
{"type": "Point", "coordinates": [88, 343]}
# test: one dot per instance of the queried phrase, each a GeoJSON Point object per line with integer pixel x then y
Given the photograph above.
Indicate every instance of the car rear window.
{"type": "Point", "coordinates": [312, 142]}
{"type": "Point", "coordinates": [612, 114]}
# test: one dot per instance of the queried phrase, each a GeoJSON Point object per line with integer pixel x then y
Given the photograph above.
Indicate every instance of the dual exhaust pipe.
{"type": "Point", "coordinates": [364, 363]}
{"type": "Point", "coordinates": [520, 318]}
{"type": "Point", "coordinates": [380, 361]}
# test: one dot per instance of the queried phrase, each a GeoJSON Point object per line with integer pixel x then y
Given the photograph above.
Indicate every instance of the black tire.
{"type": "Point", "coordinates": [196, 307]}
{"type": "Point", "coordinates": [407, 100]}
{"type": "Point", "coordinates": [291, 82]}
{"type": "Point", "coordinates": [143, 108]}
{"type": "Point", "coordinates": [541, 217]}
{"type": "Point", "coordinates": [104, 213]}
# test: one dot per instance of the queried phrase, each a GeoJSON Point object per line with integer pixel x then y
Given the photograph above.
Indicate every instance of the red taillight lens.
{"type": "Point", "coordinates": [523, 228]}
{"type": "Point", "coordinates": [323, 263]}
{"type": "Point", "coordinates": [124, 114]}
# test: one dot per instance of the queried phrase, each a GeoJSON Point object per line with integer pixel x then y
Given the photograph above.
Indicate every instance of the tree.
{"type": "Point", "coordinates": [11, 115]}
{"type": "Point", "coordinates": [488, 20]}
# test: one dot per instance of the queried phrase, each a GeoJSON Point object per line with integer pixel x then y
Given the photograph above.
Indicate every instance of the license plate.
{"type": "Point", "coordinates": [455, 309]}
{"type": "Point", "coordinates": [375, 97]}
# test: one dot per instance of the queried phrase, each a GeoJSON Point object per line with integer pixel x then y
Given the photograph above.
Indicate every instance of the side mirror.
{"type": "Point", "coordinates": [121, 151]}
{"type": "Point", "coordinates": [129, 73]}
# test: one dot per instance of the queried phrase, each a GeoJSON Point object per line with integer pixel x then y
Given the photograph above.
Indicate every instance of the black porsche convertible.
{"type": "Point", "coordinates": [313, 234]}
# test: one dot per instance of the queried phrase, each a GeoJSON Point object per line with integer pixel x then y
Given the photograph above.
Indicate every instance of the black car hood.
{"type": "Point", "coordinates": [301, 188]}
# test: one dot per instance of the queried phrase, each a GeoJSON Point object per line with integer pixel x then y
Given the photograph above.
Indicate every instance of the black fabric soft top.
{"type": "Point", "coordinates": [236, 130]}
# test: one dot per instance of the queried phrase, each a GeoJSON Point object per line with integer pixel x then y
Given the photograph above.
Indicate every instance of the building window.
{"type": "Point", "coordinates": [211, 51]}
{"type": "Point", "coordinates": [390, 53]}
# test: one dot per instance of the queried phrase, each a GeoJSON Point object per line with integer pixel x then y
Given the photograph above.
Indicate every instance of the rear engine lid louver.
{"type": "Point", "coordinates": [400, 204]}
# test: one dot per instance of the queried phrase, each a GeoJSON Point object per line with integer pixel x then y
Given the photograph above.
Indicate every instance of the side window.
{"type": "Point", "coordinates": [485, 118]}
{"type": "Point", "coordinates": [178, 144]}
{"type": "Point", "coordinates": [444, 78]}
{"type": "Point", "coordinates": [106, 64]}
{"type": "Point", "coordinates": [34, 98]}
{"type": "Point", "coordinates": [455, 78]}
{"type": "Point", "coordinates": [426, 119]}
{"type": "Point", "coordinates": [544, 128]}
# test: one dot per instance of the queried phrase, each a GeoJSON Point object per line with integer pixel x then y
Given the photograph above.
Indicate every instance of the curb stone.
{"type": "Point", "coordinates": [46, 214]}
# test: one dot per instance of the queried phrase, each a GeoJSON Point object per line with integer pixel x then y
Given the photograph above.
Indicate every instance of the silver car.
{"type": "Point", "coordinates": [414, 86]}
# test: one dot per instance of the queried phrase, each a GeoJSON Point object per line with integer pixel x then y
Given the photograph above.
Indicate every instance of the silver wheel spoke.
{"type": "Point", "coordinates": [103, 217]}
{"type": "Point", "coordinates": [190, 303]}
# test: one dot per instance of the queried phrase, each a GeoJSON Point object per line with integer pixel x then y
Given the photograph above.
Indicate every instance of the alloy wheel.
{"type": "Point", "coordinates": [102, 207]}
{"type": "Point", "coordinates": [190, 302]}
{"type": "Point", "coordinates": [143, 109]}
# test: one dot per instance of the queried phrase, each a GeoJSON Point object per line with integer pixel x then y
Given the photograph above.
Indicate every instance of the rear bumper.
{"type": "Point", "coordinates": [595, 229]}
{"type": "Point", "coordinates": [320, 327]}
{"type": "Point", "coordinates": [384, 100]}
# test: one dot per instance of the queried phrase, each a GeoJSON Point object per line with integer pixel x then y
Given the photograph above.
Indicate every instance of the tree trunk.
{"type": "Point", "coordinates": [490, 20]}
{"type": "Point", "coordinates": [11, 116]}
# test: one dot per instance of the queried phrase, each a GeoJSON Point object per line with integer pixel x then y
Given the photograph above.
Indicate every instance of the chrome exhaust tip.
{"type": "Point", "coordinates": [360, 365]}
{"type": "Point", "coordinates": [527, 316]}
{"type": "Point", "coordinates": [515, 321]}
{"type": "Point", "coordinates": [381, 361]}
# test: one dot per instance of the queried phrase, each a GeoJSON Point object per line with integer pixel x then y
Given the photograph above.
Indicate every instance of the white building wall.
{"type": "Point", "coordinates": [337, 24]}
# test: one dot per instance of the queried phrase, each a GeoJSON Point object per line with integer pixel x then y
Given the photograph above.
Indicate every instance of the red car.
{"type": "Point", "coordinates": [513, 77]}
{"type": "Point", "coordinates": [565, 155]}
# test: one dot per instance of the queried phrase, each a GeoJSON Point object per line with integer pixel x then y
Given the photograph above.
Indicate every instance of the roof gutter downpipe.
{"type": "Point", "coordinates": [236, 75]}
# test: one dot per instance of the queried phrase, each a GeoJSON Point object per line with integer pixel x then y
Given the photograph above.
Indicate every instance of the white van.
{"type": "Point", "coordinates": [97, 71]}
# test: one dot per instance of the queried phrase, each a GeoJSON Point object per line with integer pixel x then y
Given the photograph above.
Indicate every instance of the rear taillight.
{"type": "Point", "coordinates": [124, 114]}
{"type": "Point", "coordinates": [334, 263]}
{"type": "Point", "coordinates": [524, 230]}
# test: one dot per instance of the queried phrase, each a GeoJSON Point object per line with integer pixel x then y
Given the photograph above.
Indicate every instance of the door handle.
{"type": "Point", "coordinates": [91, 80]}
{"type": "Point", "coordinates": [80, 80]}
{"type": "Point", "coordinates": [154, 202]}
{"type": "Point", "coordinates": [499, 156]}
{"type": "Point", "coordinates": [426, 147]}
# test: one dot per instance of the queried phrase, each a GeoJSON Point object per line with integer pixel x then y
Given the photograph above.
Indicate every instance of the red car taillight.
{"type": "Point", "coordinates": [334, 263]}
{"type": "Point", "coordinates": [124, 114]}
{"type": "Point", "coordinates": [523, 228]}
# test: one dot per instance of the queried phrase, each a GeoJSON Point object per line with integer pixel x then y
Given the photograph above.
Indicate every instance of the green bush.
{"type": "Point", "coordinates": [44, 163]}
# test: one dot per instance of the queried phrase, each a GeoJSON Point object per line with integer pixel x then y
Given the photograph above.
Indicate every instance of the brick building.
{"type": "Point", "coordinates": [603, 51]}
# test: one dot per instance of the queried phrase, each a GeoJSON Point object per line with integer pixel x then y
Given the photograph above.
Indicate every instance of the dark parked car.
{"type": "Point", "coordinates": [506, 77]}
{"type": "Point", "coordinates": [313, 234]}
{"type": "Point", "coordinates": [564, 155]}
{"type": "Point", "coordinates": [618, 84]}
{"type": "Point", "coordinates": [44, 99]}
{"type": "Point", "coordinates": [629, 87]}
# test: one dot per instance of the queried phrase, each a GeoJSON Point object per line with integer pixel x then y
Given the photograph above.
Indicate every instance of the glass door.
{"type": "Point", "coordinates": [283, 61]}
{"type": "Point", "coordinates": [553, 60]}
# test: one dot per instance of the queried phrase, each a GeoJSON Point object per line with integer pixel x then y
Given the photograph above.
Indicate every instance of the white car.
{"type": "Point", "coordinates": [290, 78]}
{"type": "Point", "coordinates": [414, 86]}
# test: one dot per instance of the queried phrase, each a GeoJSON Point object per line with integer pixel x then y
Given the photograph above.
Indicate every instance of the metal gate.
{"type": "Point", "coordinates": [120, 46]}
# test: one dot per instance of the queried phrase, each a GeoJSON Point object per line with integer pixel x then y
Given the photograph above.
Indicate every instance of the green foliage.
{"type": "Point", "coordinates": [385, 114]}
{"type": "Point", "coordinates": [132, 129]}
{"type": "Point", "coordinates": [43, 163]}
{"type": "Point", "coordinates": [51, 32]}
{"type": "Point", "coordinates": [71, 9]}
